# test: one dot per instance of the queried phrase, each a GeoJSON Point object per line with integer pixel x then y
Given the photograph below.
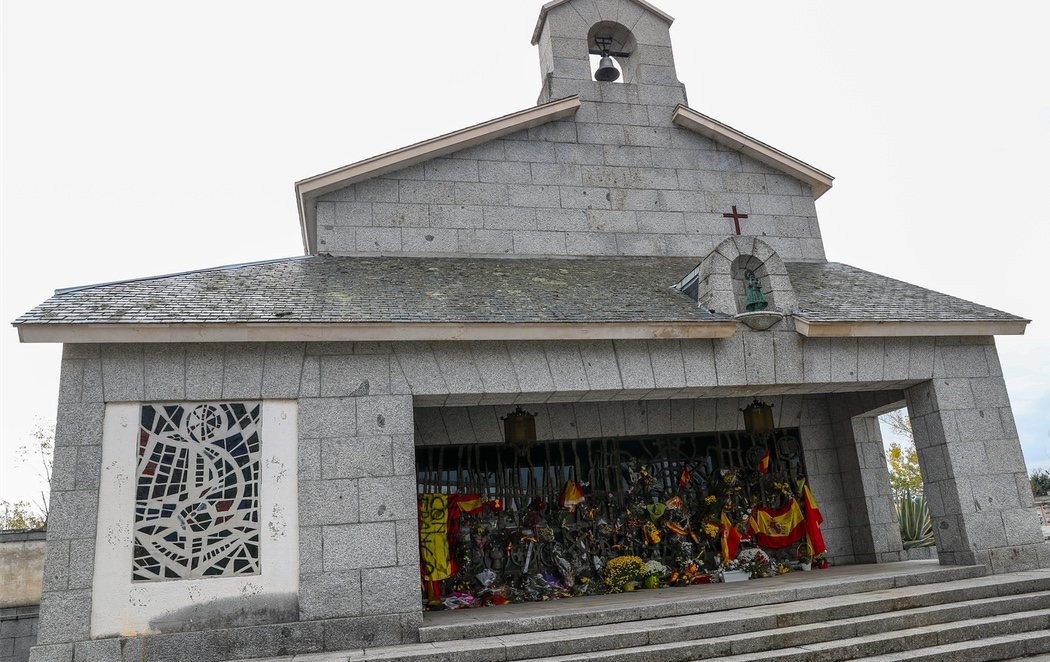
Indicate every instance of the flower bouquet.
{"type": "Point", "coordinates": [622, 572]}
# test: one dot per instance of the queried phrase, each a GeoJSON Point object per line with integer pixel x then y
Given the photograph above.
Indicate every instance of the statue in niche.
{"type": "Point", "coordinates": [755, 299]}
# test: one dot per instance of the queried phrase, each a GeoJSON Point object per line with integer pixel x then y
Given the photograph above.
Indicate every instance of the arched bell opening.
{"type": "Point", "coordinates": [611, 46]}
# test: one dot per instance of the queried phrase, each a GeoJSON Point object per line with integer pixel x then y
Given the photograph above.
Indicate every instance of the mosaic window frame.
{"type": "Point", "coordinates": [197, 507]}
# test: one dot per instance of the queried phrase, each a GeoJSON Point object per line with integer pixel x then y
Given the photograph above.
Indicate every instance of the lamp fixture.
{"type": "Point", "coordinates": [519, 427]}
{"type": "Point", "coordinates": [758, 419]}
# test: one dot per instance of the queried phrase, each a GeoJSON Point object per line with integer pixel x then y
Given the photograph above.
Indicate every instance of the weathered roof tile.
{"type": "Point", "coordinates": [464, 290]}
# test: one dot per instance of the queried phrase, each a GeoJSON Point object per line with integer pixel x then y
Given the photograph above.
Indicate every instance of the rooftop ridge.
{"type": "Point", "coordinates": [175, 274]}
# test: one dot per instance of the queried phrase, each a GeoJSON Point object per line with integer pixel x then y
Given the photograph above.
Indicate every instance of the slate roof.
{"type": "Point", "coordinates": [833, 292]}
{"type": "Point", "coordinates": [323, 289]}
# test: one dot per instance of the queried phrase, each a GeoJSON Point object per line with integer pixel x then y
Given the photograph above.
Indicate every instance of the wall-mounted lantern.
{"type": "Point", "coordinates": [519, 427]}
{"type": "Point", "coordinates": [758, 419]}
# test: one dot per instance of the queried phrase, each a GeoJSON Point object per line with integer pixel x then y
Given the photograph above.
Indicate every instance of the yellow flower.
{"type": "Point", "coordinates": [711, 530]}
{"type": "Point", "coordinates": [711, 499]}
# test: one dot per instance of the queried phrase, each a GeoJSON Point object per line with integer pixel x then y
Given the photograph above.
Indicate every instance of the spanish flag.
{"type": "Point", "coordinates": [777, 528]}
{"type": "Point", "coordinates": [467, 504]}
{"type": "Point", "coordinates": [730, 540]}
{"type": "Point", "coordinates": [684, 478]}
{"type": "Point", "coordinates": [571, 496]}
{"type": "Point", "coordinates": [763, 464]}
{"type": "Point", "coordinates": [814, 539]}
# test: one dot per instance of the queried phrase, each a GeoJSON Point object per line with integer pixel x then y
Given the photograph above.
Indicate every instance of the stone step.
{"type": "Point", "coordinates": [750, 628]}
{"type": "Point", "coordinates": [843, 640]}
{"type": "Point", "coordinates": [1023, 645]}
{"type": "Point", "coordinates": [631, 607]}
{"type": "Point", "coordinates": [959, 638]}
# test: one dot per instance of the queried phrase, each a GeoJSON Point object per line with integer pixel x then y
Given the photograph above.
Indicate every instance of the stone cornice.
{"type": "Point", "coordinates": [368, 332]}
{"type": "Point", "coordinates": [909, 329]}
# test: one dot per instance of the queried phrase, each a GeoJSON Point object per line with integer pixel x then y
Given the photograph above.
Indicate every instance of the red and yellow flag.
{"type": "Point", "coordinates": [571, 496]}
{"type": "Point", "coordinates": [777, 528]}
{"type": "Point", "coordinates": [814, 539]}
{"type": "Point", "coordinates": [730, 540]}
{"type": "Point", "coordinates": [684, 478]}
{"type": "Point", "coordinates": [468, 504]}
{"type": "Point", "coordinates": [763, 464]}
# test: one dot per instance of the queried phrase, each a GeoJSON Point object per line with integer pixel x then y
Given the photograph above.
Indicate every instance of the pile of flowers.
{"type": "Point", "coordinates": [622, 571]}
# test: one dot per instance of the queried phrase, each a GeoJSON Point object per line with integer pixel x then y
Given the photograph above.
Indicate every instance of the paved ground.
{"type": "Point", "coordinates": [652, 597]}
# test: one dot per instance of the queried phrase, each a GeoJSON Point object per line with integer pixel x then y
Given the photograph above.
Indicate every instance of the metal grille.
{"type": "Point", "coordinates": [528, 482]}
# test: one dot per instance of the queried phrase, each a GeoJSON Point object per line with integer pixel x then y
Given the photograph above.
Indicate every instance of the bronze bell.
{"type": "Point", "coordinates": [607, 71]}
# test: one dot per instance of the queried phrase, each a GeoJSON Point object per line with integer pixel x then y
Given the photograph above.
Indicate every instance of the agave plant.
{"type": "Point", "coordinates": [916, 524]}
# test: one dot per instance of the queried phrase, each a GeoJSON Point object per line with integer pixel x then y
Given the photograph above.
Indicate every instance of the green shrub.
{"type": "Point", "coordinates": [916, 523]}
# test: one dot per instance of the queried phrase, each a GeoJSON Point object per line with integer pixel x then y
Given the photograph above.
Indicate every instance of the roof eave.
{"type": "Point", "coordinates": [546, 9]}
{"type": "Point", "coordinates": [369, 332]}
{"type": "Point", "coordinates": [308, 190]}
{"type": "Point", "coordinates": [723, 134]}
{"type": "Point", "coordinates": [908, 328]}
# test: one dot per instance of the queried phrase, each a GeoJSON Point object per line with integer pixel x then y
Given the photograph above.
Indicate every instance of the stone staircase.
{"type": "Point", "coordinates": [907, 611]}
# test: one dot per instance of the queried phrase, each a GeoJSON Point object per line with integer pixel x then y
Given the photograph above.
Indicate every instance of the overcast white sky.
{"type": "Point", "coordinates": [144, 138]}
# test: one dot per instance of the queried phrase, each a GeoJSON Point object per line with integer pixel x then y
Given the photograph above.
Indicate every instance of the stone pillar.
{"type": "Point", "coordinates": [865, 477]}
{"type": "Point", "coordinates": [65, 607]}
{"type": "Point", "coordinates": [359, 558]}
{"type": "Point", "coordinates": [974, 474]}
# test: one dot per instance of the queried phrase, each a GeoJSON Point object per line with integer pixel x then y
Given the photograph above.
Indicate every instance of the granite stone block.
{"type": "Point", "coordinates": [362, 632]}
{"type": "Point", "coordinates": [330, 595]}
{"type": "Point", "coordinates": [282, 370]}
{"type": "Point", "coordinates": [243, 371]}
{"type": "Point", "coordinates": [65, 616]}
{"type": "Point", "coordinates": [566, 366]}
{"type": "Point", "coordinates": [327, 417]}
{"type": "Point", "coordinates": [72, 515]}
{"type": "Point", "coordinates": [380, 415]}
{"type": "Point", "coordinates": [388, 498]}
{"type": "Point", "coordinates": [486, 422]}
{"type": "Point", "coordinates": [729, 361]}
{"type": "Point", "coordinates": [324, 502]}
{"type": "Point", "coordinates": [759, 357]}
{"type": "Point", "coordinates": [54, 653]}
{"type": "Point", "coordinates": [123, 373]}
{"type": "Point", "coordinates": [356, 546]}
{"type": "Point", "coordinates": [88, 467]}
{"type": "Point", "coordinates": [165, 371]}
{"type": "Point", "coordinates": [355, 375]}
{"type": "Point", "coordinates": [816, 357]}
{"type": "Point", "coordinates": [393, 590]}
{"type": "Point", "coordinates": [668, 364]}
{"type": "Point", "coordinates": [356, 457]}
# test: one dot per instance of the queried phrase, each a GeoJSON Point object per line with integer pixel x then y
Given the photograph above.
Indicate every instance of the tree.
{"type": "Point", "coordinates": [902, 458]}
{"type": "Point", "coordinates": [905, 477]}
{"type": "Point", "coordinates": [22, 515]}
{"type": "Point", "coordinates": [1040, 480]}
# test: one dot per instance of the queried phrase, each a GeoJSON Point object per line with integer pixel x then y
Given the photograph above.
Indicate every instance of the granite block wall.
{"type": "Point", "coordinates": [358, 551]}
{"type": "Point", "coordinates": [974, 474]}
{"type": "Point", "coordinates": [358, 583]}
{"type": "Point", "coordinates": [18, 627]}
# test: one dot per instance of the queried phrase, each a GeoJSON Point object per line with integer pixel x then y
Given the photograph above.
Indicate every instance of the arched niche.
{"type": "Point", "coordinates": [721, 284]}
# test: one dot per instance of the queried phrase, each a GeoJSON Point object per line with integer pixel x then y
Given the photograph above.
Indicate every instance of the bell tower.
{"type": "Point", "coordinates": [632, 33]}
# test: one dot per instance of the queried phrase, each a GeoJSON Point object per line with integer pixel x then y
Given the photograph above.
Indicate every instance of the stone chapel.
{"type": "Point", "coordinates": [597, 328]}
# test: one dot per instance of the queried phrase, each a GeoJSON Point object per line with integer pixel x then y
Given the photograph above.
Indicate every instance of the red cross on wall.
{"type": "Point", "coordinates": [736, 216]}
